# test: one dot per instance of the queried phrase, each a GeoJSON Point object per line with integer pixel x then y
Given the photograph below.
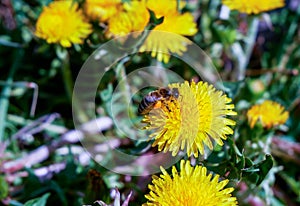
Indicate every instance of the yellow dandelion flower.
{"type": "Point", "coordinates": [253, 6]}
{"type": "Point", "coordinates": [162, 44]}
{"type": "Point", "coordinates": [102, 10]}
{"type": "Point", "coordinates": [269, 113]}
{"type": "Point", "coordinates": [61, 22]}
{"type": "Point", "coordinates": [191, 186]}
{"type": "Point", "coordinates": [191, 120]}
{"type": "Point", "coordinates": [133, 17]}
{"type": "Point", "coordinates": [164, 7]}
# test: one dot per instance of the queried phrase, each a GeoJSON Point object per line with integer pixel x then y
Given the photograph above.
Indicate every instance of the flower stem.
{"type": "Point", "coordinates": [67, 76]}
{"type": "Point", "coordinates": [69, 85]}
{"type": "Point", "coordinates": [122, 79]}
{"type": "Point", "coordinates": [252, 33]}
{"type": "Point", "coordinates": [243, 55]}
{"type": "Point", "coordinates": [4, 97]}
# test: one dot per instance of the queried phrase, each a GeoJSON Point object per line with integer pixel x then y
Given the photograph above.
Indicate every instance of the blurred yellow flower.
{"type": "Point", "coordinates": [61, 22]}
{"type": "Point", "coordinates": [269, 114]}
{"type": "Point", "coordinates": [191, 186]}
{"type": "Point", "coordinates": [102, 10]}
{"type": "Point", "coordinates": [191, 120]}
{"type": "Point", "coordinates": [162, 44]}
{"type": "Point", "coordinates": [133, 17]}
{"type": "Point", "coordinates": [253, 6]}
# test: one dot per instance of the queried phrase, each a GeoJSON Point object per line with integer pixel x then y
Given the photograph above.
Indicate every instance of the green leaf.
{"type": "Point", "coordinates": [224, 33]}
{"type": "Point", "coordinates": [257, 172]}
{"type": "Point", "coordinates": [235, 148]}
{"type": "Point", "coordinates": [264, 167]}
{"type": "Point", "coordinates": [294, 184]}
{"type": "Point", "coordinates": [233, 88]}
{"type": "Point", "coordinates": [3, 188]}
{"type": "Point", "coordinates": [248, 162]}
{"type": "Point", "coordinates": [15, 203]}
{"type": "Point", "coordinates": [106, 94]}
{"type": "Point", "coordinates": [241, 163]}
{"type": "Point", "coordinates": [154, 21]}
{"type": "Point", "coordinates": [40, 201]}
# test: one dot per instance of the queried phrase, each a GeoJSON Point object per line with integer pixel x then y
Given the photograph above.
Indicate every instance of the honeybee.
{"type": "Point", "coordinates": [155, 98]}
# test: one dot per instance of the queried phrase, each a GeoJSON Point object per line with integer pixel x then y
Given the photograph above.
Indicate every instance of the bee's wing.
{"type": "Point", "coordinates": [158, 77]}
{"type": "Point", "coordinates": [151, 79]}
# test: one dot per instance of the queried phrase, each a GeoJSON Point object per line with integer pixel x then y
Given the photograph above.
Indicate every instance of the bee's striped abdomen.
{"type": "Point", "coordinates": [147, 104]}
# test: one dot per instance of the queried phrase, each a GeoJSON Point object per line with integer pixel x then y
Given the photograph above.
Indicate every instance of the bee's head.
{"type": "Point", "coordinates": [175, 92]}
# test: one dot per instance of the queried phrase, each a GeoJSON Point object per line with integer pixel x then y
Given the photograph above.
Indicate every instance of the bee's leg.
{"type": "Point", "coordinates": [167, 106]}
{"type": "Point", "coordinates": [158, 104]}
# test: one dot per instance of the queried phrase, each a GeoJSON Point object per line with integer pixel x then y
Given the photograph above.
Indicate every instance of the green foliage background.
{"type": "Point", "coordinates": [263, 165]}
